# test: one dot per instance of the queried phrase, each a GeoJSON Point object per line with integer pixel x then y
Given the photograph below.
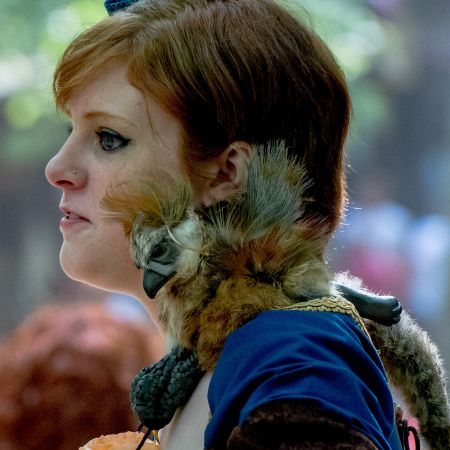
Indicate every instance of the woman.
{"type": "Point", "coordinates": [190, 87]}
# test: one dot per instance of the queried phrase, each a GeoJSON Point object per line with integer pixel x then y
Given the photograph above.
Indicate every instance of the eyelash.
{"type": "Point", "coordinates": [112, 136]}
{"type": "Point", "coordinates": [107, 134]}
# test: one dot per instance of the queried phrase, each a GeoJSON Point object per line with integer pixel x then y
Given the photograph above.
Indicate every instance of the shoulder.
{"type": "Point", "coordinates": [281, 337]}
{"type": "Point", "coordinates": [323, 358]}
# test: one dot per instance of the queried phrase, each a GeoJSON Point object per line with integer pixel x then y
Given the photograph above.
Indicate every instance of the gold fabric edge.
{"type": "Point", "coordinates": [330, 304]}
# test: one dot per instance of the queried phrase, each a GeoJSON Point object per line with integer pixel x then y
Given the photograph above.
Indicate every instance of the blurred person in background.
{"type": "Point", "coordinates": [372, 243]}
{"type": "Point", "coordinates": [428, 245]}
{"type": "Point", "coordinates": [65, 376]}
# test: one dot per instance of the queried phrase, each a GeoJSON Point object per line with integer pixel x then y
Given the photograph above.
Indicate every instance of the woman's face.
{"type": "Point", "coordinates": [110, 142]}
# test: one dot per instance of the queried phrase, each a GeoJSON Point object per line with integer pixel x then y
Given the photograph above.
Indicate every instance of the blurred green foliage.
{"type": "Point", "coordinates": [35, 33]}
{"type": "Point", "coordinates": [353, 32]}
{"type": "Point", "coordinates": [357, 37]}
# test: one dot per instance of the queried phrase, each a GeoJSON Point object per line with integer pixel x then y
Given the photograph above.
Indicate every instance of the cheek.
{"type": "Point", "coordinates": [156, 156]}
{"type": "Point", "coordinates": [112, 245]}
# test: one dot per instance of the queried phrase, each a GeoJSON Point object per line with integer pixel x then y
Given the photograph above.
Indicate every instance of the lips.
{"type": "Point", "coordinates": [73, 216]}
{"type": "Point", "coordinates": [70, 214]}
{"type": "Point", "coordinates": [72, 222]}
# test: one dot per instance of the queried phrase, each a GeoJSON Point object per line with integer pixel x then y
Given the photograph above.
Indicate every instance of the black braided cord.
{"type": "Point", "coordinates": [159, 389]}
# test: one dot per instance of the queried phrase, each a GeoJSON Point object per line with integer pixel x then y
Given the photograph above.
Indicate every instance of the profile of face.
{"type": "Point", "coordinates": [112, 142]}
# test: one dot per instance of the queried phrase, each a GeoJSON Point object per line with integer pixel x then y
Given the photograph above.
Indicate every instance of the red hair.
{"type": "Point", "coordinates": [229, 70]}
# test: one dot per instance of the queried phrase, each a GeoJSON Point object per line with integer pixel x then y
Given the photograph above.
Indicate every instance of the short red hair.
{"type": "Point", "coordinates": [229, 70]}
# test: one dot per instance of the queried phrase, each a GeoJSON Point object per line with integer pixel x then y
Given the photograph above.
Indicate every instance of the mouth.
{"type": "Point", "coordinates": [72, 217]}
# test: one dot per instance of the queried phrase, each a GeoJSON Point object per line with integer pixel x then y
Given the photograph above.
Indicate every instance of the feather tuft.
{"type": "Point", "coordinates": [161, 202]}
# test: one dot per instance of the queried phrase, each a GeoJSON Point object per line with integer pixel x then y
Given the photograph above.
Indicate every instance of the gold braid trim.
{"type": "Point", "coordinates": [331, 304]}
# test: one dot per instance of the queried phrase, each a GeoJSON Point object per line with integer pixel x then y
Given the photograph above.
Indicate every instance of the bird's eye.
{"type": "Point", "coordinates": [163, 251]}
{"type": "Point", "coordinates": [157, 251]}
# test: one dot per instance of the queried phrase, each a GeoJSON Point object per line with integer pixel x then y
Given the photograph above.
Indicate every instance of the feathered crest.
{"type": "Point", "coordinates": [156, 203]}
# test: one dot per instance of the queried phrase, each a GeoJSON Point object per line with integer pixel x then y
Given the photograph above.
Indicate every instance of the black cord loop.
{"type": "Point", "coordinates": [404, 430]}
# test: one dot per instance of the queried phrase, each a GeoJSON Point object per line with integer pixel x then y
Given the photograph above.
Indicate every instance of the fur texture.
{"type": "Point", "coordinates": [258, 252]}
{"type": "Point", "coordinates": [413, 366]}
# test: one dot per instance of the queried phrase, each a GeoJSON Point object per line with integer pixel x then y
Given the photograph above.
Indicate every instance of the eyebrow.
{"type": "Point", "coordinates": [94, 114]}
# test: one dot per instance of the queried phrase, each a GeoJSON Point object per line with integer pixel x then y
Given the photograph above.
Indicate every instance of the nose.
{"type": "Point", "coordinates": [64, 169]}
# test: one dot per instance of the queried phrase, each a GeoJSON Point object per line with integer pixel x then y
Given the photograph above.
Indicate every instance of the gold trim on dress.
{"type": "Point", "coordinates": [330, 304]}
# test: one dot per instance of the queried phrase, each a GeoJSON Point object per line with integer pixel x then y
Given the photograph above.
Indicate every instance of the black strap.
{"type": "Point", "coordinates": [404, 430]}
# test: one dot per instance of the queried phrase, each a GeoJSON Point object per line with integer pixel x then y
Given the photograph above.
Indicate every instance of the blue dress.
{"type": "Point", "coordinates": [320, 357]}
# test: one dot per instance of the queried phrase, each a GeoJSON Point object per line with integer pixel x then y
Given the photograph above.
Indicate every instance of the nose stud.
{"type": "Point", "coordinates": [74, 172]}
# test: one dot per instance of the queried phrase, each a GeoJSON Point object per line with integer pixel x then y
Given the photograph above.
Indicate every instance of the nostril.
{"type": "Point", "coordinates": [63, 183]}
{"type": "Point", "coordinates": [57, 179]}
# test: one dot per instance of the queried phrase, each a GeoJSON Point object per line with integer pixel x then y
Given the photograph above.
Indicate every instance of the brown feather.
{"type": "Point", "coordinates": [163, 201]}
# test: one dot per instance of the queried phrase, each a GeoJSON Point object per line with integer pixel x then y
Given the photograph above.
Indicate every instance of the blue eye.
{"type": "Point", "coordinates": [110, 140]}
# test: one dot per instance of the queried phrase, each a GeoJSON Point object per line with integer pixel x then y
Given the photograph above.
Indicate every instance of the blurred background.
{"type": "Point", "coordinates": [396, 236]}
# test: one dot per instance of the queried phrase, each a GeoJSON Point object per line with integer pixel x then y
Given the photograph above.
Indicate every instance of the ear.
{"type": "Point", "coordinates": [226, 173]}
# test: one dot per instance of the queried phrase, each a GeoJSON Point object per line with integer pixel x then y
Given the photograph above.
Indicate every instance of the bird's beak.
{"type": "Point", "coordinates": [156, 276]}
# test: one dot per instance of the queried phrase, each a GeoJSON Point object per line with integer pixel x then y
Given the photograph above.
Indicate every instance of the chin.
{"type": "Point", "coordinates": [80, 273]}
{"type": "Point", "coordinates": [101, 273]}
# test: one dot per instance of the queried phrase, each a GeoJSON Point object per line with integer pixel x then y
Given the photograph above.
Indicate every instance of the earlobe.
{"type": "Point", "coordinates": [229, 172]}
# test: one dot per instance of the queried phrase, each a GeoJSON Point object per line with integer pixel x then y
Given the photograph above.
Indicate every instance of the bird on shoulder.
{"type": "Point", "coordinates": [213, 270]}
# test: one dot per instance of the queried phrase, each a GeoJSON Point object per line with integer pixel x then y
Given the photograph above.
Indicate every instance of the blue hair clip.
{"type": "Point", "coordinates": [114, 5]}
